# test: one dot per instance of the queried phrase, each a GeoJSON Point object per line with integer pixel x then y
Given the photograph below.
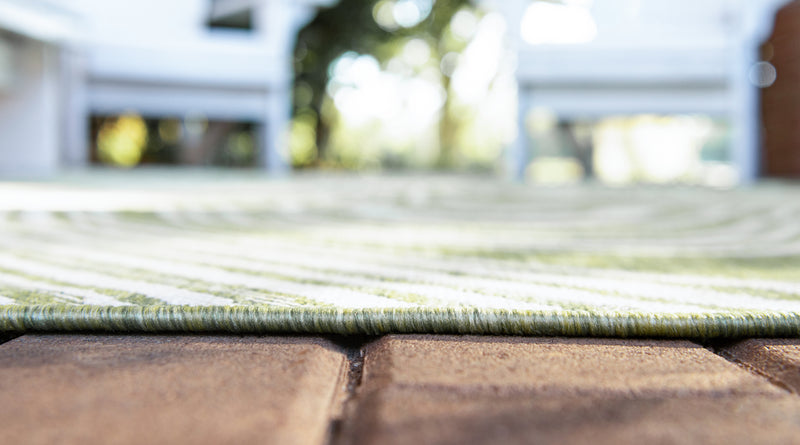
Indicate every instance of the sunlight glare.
{"type": "Point", "coordinates": [481, 60]}
{"type": "Point", "coordinates": [408, 13]}
{"type": "Point", "coordinates": [362, 93]}
{"type": "Point", "coordinates": [552, 23]}
{"type": "Point", "coordinates": [121, 142]}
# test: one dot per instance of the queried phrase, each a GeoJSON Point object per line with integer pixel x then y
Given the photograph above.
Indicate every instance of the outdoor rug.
{"type": "Point", "coordinates": [162, 251]}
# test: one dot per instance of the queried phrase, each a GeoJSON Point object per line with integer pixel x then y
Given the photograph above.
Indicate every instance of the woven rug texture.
{"type": "Point", "coordinates": [375, 255]}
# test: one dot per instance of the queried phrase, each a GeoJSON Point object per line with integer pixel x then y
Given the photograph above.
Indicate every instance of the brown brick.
{"type": "Point", "coordinates": [428, 389]}
{"type": "Point", "coordinates": [167, 389]}
{"type": "Point", "coordinates": [780, 103]}
{"type": "Point", "coordinates": [777, 359]}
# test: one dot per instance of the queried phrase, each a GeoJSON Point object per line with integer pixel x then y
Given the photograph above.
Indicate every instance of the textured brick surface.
{"type": "Point", "coordinates": [159, 389]}
{"type": "Point", "coordinates": [427, 389]}
{"type": "Point", "coordinates": [777, 359]}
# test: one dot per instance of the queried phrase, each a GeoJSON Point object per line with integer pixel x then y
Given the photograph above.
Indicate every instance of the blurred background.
{"type": "Point", "coordinates": [548, 91]}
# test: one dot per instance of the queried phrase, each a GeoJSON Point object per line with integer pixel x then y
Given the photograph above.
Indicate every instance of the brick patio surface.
{"type": "Point", "coordinates": [396, 390]}
{"type": "Point", "coordinates": [154, 390]}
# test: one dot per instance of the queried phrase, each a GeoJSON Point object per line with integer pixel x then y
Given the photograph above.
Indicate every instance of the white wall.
{"type": "Point", "coordinates": [168, 41]}
{"type": "Point", "coordinates": [29, 112]}
{"type": "Point", "coordinates": [154, 56]}
{"type": "Point", "coordinates": [6, 66]}
{"type": "Point", "coordinates": [159, 58]}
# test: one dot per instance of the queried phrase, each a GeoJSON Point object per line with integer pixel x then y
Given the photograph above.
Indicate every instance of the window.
{"type": "Point", "coordinates": [231, 14]}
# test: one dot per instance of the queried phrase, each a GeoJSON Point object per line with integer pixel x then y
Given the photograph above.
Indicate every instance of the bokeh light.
{"type": "Point", "coordinates": [122, 141]}
{"type": "Point", "coordinates": [763, 74]}
{"type": "Point", "coordinates": [170, 130]}
{"type": "Point", "coordinates": [394, 14]}
{"type": "Point", "coordinates": [302, 139]}
{"type": "Point", "coordinates": [654, 149]}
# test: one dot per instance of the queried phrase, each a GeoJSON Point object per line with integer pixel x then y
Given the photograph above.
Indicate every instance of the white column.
{"type": "Point", "coordinates": [29, 113]}
{"type": "Point", "coordinates": [273, 132]}
{"type": "Point", "coordinates": [745, 116]}
{"type": "Point", "coordinates": [518, 155]}
{"type": "Point", "coordinates": [281, 21]}
{"type": "Point", "coordinates": [74, 119]}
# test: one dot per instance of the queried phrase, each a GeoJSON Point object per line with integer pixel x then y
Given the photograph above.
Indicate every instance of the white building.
{"type": "Point", "coordinates": [33, 39]}
{"type": "Point", "coordinates": [221, 59]}
{"type": "Point", "coordinates": [587, 59]}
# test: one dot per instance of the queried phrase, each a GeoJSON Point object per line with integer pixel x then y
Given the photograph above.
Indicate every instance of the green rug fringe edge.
{"type": "Point", "coordinates": [255, 319]}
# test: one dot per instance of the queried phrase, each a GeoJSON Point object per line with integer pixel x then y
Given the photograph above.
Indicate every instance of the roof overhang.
{"type": "Point", "coordinates": [39, 20]}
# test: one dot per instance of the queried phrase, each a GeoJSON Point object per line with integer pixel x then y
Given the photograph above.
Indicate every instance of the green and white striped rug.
{"type": "Point", "coordinates": [369, 255]}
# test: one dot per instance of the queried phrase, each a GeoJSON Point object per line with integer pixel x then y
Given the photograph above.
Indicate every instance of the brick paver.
{"type": "Point", "coordinates": [777, 359]}
{"type": "Point", "coordinates": [428, 389]}
{"type": "Point", "coordinates": [167, 389]}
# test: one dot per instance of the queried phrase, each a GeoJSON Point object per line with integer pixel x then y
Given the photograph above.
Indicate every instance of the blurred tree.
{"type": "Point", "coordinates": [351, 25]}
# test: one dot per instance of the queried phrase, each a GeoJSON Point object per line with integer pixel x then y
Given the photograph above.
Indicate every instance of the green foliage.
{"type": "Point", "coordinates": [350, 26]}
